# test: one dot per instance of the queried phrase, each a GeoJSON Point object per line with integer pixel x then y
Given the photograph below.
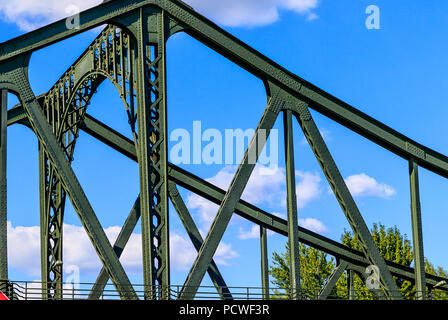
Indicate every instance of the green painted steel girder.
{"type": "Point", "coordinates": [351, 285]}
{"type": "Point", "coordinates": [3, 190]}
{"type": "Point", "coordinates": [52, 207]}
{"type": "Point", "coordinates": [264, 262]}
{"type": "Point", "coordinates": [43, 166]}
{"type": "Point", "coordinates": [291, 204]}
{"type": "Point", "coordinates": [152, 150]}
{"type": "Point", "coordinates": [80, 202]}
{"type": "Point", "coordinates": [417, 231]}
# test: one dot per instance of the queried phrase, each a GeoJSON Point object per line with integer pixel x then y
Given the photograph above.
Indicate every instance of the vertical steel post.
{"type": "Point", "coordinates": [3, 193]}
{"type": "Point", "coordinates": [351, 284]}
{"type": "Point", "coordinates": [152, 151]}
{"type": "Point", "coordinates": [52, 214]}
{"type": "Point", "coordinates": [264, 263]}
{"type": "Point", "coordinates": [43, 220]}
{"type": "Point", "coordinates": [417, 233]}
{"type": "Point", "coordinates": [293, 234]}
{"type": "Point", "coordinates": [52, 205]}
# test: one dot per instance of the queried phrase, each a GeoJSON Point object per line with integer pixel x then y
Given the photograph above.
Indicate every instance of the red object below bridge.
{"type": "Point", "coordinates": [3, 297]}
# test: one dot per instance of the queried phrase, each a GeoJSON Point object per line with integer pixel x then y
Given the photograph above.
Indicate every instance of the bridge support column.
{"type": "Point", "coordinates": [3, 193]}
{"type": "Point", "coordinates": [351, 284]}
{"type": "Point", "coordinates": [52, 205]}
{"type": "Point", "coordinates": [293, 233]}
{"type": "Point", "coordinates": [417, 233]}
{"type": "Point", "coordinates": [152, 152]}
{"type": "Point", "coordinates": [264, 262]}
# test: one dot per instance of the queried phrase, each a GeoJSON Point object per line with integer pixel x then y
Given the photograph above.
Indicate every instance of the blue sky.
{"type": "Point", "coordinates": [396, 74]}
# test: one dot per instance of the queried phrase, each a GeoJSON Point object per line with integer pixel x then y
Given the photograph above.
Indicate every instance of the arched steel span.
{"type": "Point", "coordinates": [134, 60]}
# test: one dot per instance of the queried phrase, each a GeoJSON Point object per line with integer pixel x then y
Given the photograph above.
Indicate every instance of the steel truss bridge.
{"type": "Point", "coordinates": [131, 53]}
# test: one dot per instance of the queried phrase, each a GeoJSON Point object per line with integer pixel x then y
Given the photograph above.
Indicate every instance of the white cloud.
{"type": "Point", "coordinates": [361, 185]}
{"type": "Point", "coordinates": [280, 215]}
{"type": "Point", "coordinates": [312, 16]}
{"type": "Point", "coordinates": [252, 233]}
{"type": "Point", "coordinates": [307, 188]}
{"type": "Point", "coordinates": [24, 250]}
{"type": "Point", "coordinates": [204, 208]}
{"type": "Point", "coordinates": [313, 225]}
{"type": "Point", "coordinates": [180, 244]}
{"type": "Point", "coordinates": [266, 186]}
{"type": "Point", "coordinates": [224, 254]}
{"type": "Point", "coordinates": [31, 14]}
{"type": "Point", "coordinates": [183, 253]}
{"type": "Point", "coordinates": [252, 13]}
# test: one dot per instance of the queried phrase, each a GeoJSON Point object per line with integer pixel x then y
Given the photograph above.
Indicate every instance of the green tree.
{"type": "Point", "coordinates": [436, 294]}
{"type": "Point", "coordinates": [393, 246]}
{"type": "Point", "coordinates": [316, 267]}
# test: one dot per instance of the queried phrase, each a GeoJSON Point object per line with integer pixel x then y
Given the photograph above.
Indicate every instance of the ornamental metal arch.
{"type": "Point", "coordinates": [131, 53]}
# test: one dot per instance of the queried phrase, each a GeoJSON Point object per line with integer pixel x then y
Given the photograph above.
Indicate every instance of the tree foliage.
{"type": "Point", "coordinates": [392, 245]}
{"type": "Point", "coordinates": [316, 267]}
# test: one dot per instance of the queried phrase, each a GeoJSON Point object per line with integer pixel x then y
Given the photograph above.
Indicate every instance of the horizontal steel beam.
{"type": "Point", "coordinates": [16, 115]}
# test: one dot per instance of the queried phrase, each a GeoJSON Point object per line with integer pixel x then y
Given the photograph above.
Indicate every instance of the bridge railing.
{"type": "Point", "coordinates": [33, 290]}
